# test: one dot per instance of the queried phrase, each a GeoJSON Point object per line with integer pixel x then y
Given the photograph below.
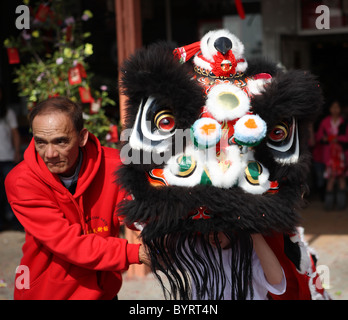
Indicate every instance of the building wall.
{"type": "Point", "coordinates": [279, 17]}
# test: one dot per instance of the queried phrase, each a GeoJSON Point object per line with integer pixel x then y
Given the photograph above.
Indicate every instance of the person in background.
{"type": "Point", "coordinates": [65, 196]}
{"type": "Point", "coordinates": [10, 154]}
{"type": "Point", "coordinates": [332, 136]}
{"type": "Point", "coordinates": [318, 165]}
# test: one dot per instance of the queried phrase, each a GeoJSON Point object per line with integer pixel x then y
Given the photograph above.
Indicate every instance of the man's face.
{"type": "Point", "coordinates": [57, 142]}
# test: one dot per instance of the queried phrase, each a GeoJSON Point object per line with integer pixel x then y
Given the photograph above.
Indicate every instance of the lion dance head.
{"type": "Point", "coordinates": [213, 143]}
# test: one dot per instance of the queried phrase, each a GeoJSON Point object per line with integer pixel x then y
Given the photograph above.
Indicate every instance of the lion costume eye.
{"type": "Point", "coordinates": [153, 128]}
{"type": "Point", "coordinates": [164, 121]}
{"type": "Point", "coordinates": [279, 133]}
{"type": "Point", "coordinates": [284, 143]}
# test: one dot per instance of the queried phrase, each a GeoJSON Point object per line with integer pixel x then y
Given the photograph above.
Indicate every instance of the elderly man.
{"type": "Point", "coordinates": [65, 196]}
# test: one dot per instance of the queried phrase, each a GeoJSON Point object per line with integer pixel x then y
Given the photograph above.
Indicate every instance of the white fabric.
{"type": "Point", "coordinates": [7, 123]}
{"type": "Point", "coordinates": [67, 181]}
{"type": "Point", "coordinates": [260, 285]}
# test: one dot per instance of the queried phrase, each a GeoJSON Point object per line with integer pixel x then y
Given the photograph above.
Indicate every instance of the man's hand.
{"type": "Point", "coordinates": [143, 256]}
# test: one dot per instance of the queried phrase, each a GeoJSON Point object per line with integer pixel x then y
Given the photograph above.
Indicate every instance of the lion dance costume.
{"type": "Point", "coordinates": [216, 143]}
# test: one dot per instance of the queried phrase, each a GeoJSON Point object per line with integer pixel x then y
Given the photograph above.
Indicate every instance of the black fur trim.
{"type": "Point", "coordinates": [165, 209]}
{"type": "Point", "coordinates": [261, 65]}
{"type": "Point", "coordinates": [154, 71]}
{"type": "Point", "coordinates": [292, 94]}
{"type": "Point", "coordinates": [194, 268]}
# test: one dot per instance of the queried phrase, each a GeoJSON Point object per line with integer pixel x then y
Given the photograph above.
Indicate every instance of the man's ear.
{"type": "Point", "coordinates": [83, 137]}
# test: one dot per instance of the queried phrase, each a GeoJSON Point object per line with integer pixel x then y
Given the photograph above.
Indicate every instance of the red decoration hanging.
{"type": "Point", "coordinates": [74, 75]}
{"type": "Point", "coordinates": [13, 56]}
{"type": "Point", "coordinates": [42, 13]}
{"type": "Point", "coordinates": [68, 34]}
{"type": "Point", "coordinates": [240, 8]}
{"type": "Point", "coordinates": [187, 52]}
{"type": "Point", "coordinates": [82, 70]}
{"type": "Point", "coordinates": [113, 134]}
{"type": "Point", "coordinates": [95, 106]}
{"type": "Point", "coordinates": [53, 95]}
{"type": "Point", "coordinates": [85, 95]}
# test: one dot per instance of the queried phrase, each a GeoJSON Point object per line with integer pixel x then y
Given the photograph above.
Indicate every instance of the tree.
{"type": "Point", "coordinates": [53, 61]}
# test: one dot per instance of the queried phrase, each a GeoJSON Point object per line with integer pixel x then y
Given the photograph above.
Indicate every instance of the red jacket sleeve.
{"type": "Point", "coordinates": [45, 221]}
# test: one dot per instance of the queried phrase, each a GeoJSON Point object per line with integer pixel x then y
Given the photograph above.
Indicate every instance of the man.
{"type": "Point", "coordinates": [65, 196]}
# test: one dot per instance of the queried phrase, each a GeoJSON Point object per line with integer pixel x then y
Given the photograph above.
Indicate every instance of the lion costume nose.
{"type": "Point", "coordinates": [223, 44]}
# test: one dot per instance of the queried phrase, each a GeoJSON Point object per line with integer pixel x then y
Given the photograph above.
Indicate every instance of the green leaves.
{"type": "Point", "coordinates": [47, 52]}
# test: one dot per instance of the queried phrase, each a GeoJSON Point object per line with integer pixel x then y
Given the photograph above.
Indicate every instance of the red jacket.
{"type": "Point", "coordinates": [72, 247]}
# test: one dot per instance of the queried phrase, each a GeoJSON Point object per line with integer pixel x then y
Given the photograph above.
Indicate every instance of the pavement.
{"type": "Point", "coordinates": [325, 231]}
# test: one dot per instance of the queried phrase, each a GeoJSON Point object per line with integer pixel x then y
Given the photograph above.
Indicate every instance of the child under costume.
{"type": "Point", "coordinates": [216, 145]}
{"type": "Point", "coordinates": [259, 284]}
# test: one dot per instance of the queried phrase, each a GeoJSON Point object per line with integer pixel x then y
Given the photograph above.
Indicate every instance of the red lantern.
{"type": "Point", "coordinates": [13, 56]}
